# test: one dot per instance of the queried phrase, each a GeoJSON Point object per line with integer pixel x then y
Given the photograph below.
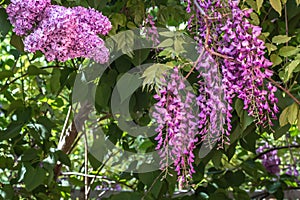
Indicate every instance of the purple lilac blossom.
{"type": "Point", "coordinates": [25, 14]}
{"type": "Point", "coordinates": [61, 33]}
{"type": "Point", "coordinates": [175, 115]}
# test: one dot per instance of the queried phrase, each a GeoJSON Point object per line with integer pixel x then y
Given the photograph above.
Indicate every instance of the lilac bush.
{"type": "Point", "coordinates": [63, 33]}
{"type": "Point", "coordinates": [24, 15]}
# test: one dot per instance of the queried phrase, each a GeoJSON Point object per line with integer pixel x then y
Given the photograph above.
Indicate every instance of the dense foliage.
{"type": "Point", "coordinates": [149, 99]}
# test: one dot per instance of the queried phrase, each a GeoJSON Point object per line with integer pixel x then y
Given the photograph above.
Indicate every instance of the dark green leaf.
{"type": "Point", "coordinates": [127, 85]}
{"type": "Point", "coordinates": [273, 187]}
{"type": "Point", "coordinates": [55, 81]}
{"type": "Point", "coordinates": [17, 42]}
{"type": "Point", "coordinates": [33, 70]}
{"type": "Point", "coordinates": [64, 158]}
{"type": "Point", "coordinates": [34, 177]}
{"type": "Point", "coordinates": [5, 25]}
{"type": "Point", "coordinates": [6, 74]}
{"type": "Point", "coordinates": [12, 131]}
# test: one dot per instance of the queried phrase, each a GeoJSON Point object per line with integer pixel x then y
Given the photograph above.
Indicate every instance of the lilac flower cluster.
{"type": "Point", "coordinates": [270, 160]}
{"type": "Point", "coordinates": [233, 36]}
{"type": "Point", "coordinates": [175, 114]}
{"type": "Point", "coordinates": [65, 33]}
{"type": "Point", "coordinates": [25, 14]}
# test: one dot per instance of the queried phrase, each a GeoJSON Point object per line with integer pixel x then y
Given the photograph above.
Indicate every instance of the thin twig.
{"type": "Point", "coordinates": [99, 170]}
{"type": "Point", "coordinates": [275, 148]}
{"type": "Point", "coordinates": [195, 64]}
{"type": "Point", "coordinates": [286, 27]}
{"type": "Point", "coordinates": [284, 89]}
{"type": "Point", "coordinates": [65, 124]}
{"type": "Point", "coordinates": [86, 165]}
{"type": "Point", "coordinates": [150, 188]}
{"type": "Point", "coordinates": [22, 76]}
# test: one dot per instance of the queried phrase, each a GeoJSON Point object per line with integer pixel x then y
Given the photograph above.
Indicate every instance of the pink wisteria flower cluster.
{"type": "Point", "coordinates": [270, 160]}
{"type": "Point", "coordinates": [60, 33]}
{"type": "Point", "coordinates": [175, 113]}
{"type": "Point", "coordinates": [233, 66]}
{"type": "Point", "coordinates": [245, 69]}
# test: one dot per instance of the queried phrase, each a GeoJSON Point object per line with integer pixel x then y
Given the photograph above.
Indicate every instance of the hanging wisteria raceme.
{"type": "Point", "coordinates": [25, 14]}
{"type": "Point", "coordinates": [232, 66]}
{"type": "Point", "coordinates": [176, 116]}
{"type": "Point", "coordinates": [213, 125]}
{"type": "Point", "coordinates": [225, 30]}
{"type": "Point", "coordinates": [150, 30]}
{"type": "Point", "coordinates": [270, 160]}
{"type": "Point", "coordinates": [66, 33]}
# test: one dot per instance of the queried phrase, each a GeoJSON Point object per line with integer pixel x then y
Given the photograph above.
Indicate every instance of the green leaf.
{"type": "Point", "coordinates": [298, 122]}
{"type": "Point", "coordinates": [275, 59]}
{"type": "Point", "coordinates": [137, 9]}
{"type": "Point", "coordinates": [34, 177]}
{"type": "Point", "coordinates": [169, 34]}
{"type": "Point", "coordinates": [12, 131]}
{"type": "Point", "coordinates": [216, 159]}
{"type": "Point", "coordinates": [63, 158]}
{"type": "Point", "coordinates": [289, 115]}
{"type": "Point", "coordinates": [166, 43]}
{"type": "Point", "coordinates": [248, 142]}
{"type": "Point", "coordinates": [55, 81]}
{"type": "Point", "coordinates": [151, 181]}
{"type": "Point", "coordinates": [273, 187]}
{"type": "Point", "coordinates": [118, 19]}
{"type": "Point", "coordinates": [245, 119]}
{"type": "Point", "coordinates": [33, 70]}
{"type": "Point", "coordinates": [240, 194]}
{"type": "Point", "coordinates": [218, 195]}
{"type": "Point", "coordinates": [5, 25]}
{"type": "Point", "coordinates": [293, 113]}
{"type": "Point", "coordinates": [125, 42]}
{"type": "Point", "coordinates": [270, 47]}
{"type": "Point", "coordinates": [290, 69]}
{"type": "Point", "coordinates": [29, 155]}
{"type": "Point", "coordinates": [288, 51]}
{"type": "Point", "coordinates": [279, 39]}
{"type": "Point", "coordinates": [178, 44]}
{"type": "Point", "coordinates": [17, 42]}
{"type": "Point", "coordinates": [259, 4]}
{"type": "Point", "coordinates": [140, 56]}
{"type": "Point", "coordinates": [127, 85]}
{"type": "Point", "coordinates": [95, 163]}
{"type": "Point", "coordinates": [276, 4]}
{"type": "Point", "coordinates": [127, 196]}
{"type": "Point", "coordinates": [235, 178]}
{"type": "Point", "coordinates": [103, 93]}
{"type": "Point", "coordinates": [6, 74]}
{"type": "Point", "coordinates": [281, 131]}
{"type": "Point", "coordinates": [283, 117]}
{"type": "Point", "coordinates": [153, 74]}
